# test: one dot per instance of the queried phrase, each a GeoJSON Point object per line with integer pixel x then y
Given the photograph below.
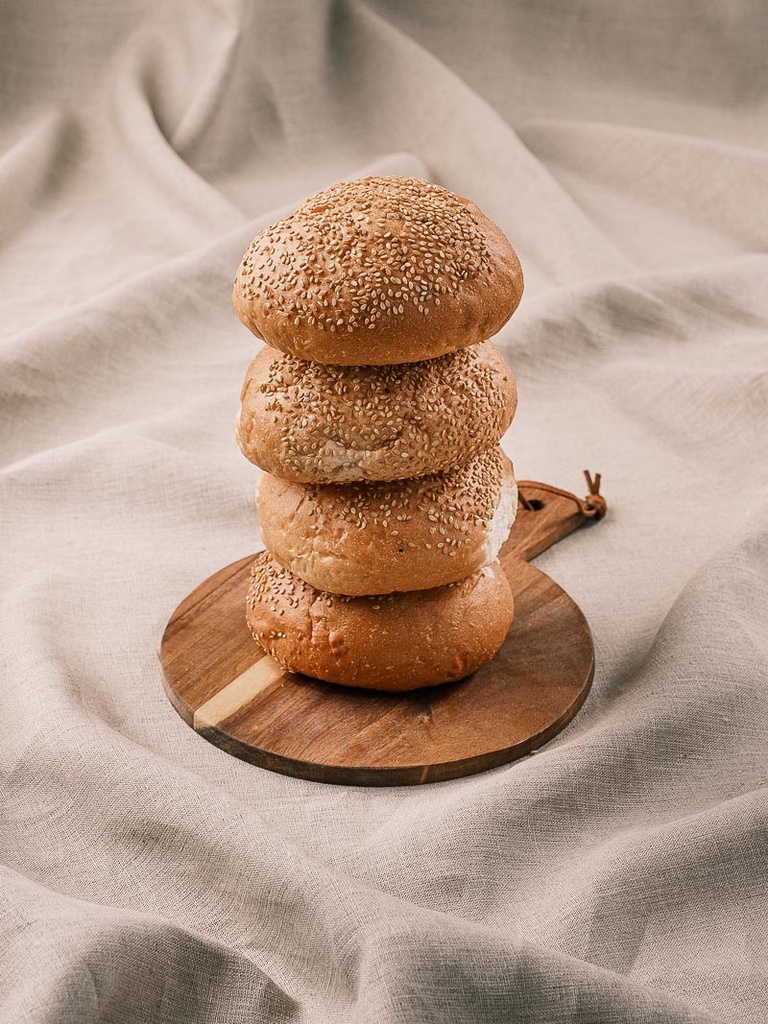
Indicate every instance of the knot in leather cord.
{"type": "Point", "coordinates": [594, 506]}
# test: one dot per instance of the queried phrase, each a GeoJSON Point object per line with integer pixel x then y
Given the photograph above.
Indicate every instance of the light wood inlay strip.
{"type": "Point", "coordinates": [240, 691]}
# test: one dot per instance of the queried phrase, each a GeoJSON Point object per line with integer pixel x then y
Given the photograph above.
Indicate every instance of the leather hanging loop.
{"type": "Point", "coordinates": [594, 506]}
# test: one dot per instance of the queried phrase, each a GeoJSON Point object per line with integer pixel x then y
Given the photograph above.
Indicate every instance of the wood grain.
{"type": "Point", "coordinates": [222, 684]}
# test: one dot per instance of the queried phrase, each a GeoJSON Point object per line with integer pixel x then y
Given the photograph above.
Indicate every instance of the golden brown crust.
{"type": "Point", "coordinates": [316, 423]}
{"type": "Point", "coordinates": [378, 271]}
{"type": "Point", "coordinates": [395, 642]}
{"type": "Point", "coordinates": [376, 538]}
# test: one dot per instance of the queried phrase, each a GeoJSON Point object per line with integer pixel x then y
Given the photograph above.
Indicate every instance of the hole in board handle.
{"type": "Point", "coordinates": [531, 504]}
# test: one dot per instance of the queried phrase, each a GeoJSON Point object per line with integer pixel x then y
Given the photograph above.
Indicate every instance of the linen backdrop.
{"type": "Point", "coordinates": [619, 875]}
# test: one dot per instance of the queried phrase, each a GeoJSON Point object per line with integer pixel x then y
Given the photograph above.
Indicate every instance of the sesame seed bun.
{"type": "Point", "coordinates": [376, 271]}
{"type": "Point", "coordinates": [395, 642]}
{"type": "Point", "coordinates": [376, 538]}
{"type": "Point", "coordinates": [316, 423]}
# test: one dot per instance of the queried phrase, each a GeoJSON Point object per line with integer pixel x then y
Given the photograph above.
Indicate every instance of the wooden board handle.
{"type": "Point", "coordinates": [546, 514]}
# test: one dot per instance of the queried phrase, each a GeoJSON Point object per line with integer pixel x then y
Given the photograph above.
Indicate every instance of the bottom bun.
{"type": "Point", "coordinates": [390, 642]}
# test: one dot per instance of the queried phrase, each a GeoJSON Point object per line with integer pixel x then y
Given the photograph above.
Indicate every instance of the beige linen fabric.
{"type": "Point", "coordinates": [619, 875]}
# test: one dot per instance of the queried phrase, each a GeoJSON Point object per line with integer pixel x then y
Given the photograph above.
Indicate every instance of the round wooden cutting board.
{"type": "Point", "coordinates": [240, 699]}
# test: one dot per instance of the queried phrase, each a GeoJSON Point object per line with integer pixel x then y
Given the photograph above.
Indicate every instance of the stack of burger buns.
{"type": "Point", "coordinates": [376, 411]}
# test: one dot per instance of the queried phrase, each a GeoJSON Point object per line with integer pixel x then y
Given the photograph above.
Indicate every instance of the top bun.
{"type": "Point", "coordinates": [377, 271]}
